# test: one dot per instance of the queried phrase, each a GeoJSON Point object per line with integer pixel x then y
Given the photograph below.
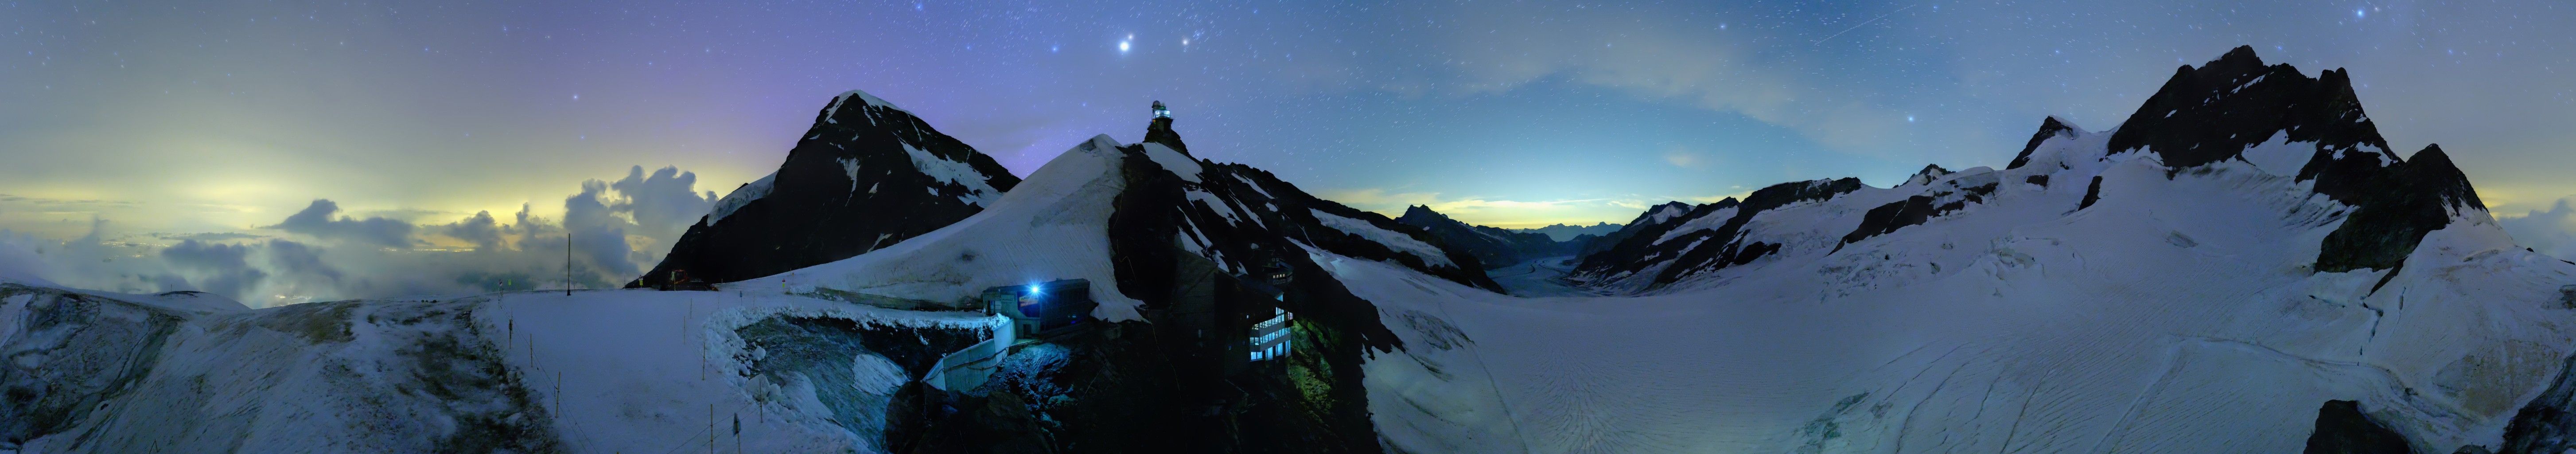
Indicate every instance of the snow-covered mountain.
{"type": "Point", "coordinates": [2242, 266]}
{"type": "Point", "coordinates": [2232, 112]}
{"type": "Point", "coordinates": [862, 160]}
{"type": "Point", "coordinates": [1494, 247]}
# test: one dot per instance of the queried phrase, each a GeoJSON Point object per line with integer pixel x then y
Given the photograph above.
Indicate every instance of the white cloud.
{"type": "Point", "coordinates": [617, 229]}
{"type": "Point", "coordinates": [2551, 232]}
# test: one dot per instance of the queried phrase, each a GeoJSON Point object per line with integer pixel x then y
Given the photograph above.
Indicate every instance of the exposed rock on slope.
{"type": "Point", "coordinates": [865, 176]}
{"type": "Point", "coordinates": [2343, 429]}
{"type": "Point", "coordinates": [1706, 238]}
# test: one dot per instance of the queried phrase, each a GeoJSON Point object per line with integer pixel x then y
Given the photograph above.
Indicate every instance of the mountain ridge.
{"type": "Point", "coordinates": [861, 157]}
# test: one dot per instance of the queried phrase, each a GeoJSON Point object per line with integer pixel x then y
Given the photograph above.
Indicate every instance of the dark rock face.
{"type": "Point", "coordinates": [2048, 129]}
{"type": "Point", "coordinates": [1916, 210]}
{"type": "Point", "coordinates": [2343, 429]}
{"type": "Point", "coordinates": [1703, 250]}
{"type": "Point", "coordinates": [1929, 172]}
{"type": "Point", "coordinates": [2215, 112]}
{"type": "Point", "coordinates": [2546, 424]}
{"type": "Point", "coordinates": [1887, 218]}
{"type": "Point", "coordinates": [831, 199]}
{"type": "Point", "coordinates": [2092, 193]}
{"type": "Point", "coordinates": [1494, 247]}
{"type": "Point", "coordinates": [2394, 205]}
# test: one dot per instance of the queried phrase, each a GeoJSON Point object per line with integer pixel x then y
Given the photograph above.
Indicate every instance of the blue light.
{"type": "Point", "coordinates": [1035, 290]}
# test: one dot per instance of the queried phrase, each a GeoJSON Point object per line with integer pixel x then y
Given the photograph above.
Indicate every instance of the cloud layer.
{"type": "Point", "coordinates": [2551, 231]}
{"type": "Point", "coordinates": [614, 228]}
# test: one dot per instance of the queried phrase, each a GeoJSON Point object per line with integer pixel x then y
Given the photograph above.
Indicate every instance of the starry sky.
{"type": "Point", "coordinates": [142, 125]}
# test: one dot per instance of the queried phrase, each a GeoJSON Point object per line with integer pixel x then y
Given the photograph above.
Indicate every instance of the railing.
{"type": "Point", "coordinates": [970, 367]}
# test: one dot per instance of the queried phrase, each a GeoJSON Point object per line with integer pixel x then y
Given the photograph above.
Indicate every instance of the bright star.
{"type": "Point", "coordinates": [1122, 47]}
{"type": "Point", "coordinates": [2359, 13]}
{"type": "Point", "coordinates": [1909, 119]}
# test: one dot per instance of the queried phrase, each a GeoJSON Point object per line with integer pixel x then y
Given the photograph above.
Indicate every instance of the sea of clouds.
{"type": "Point", "coordinates": [616, 229]}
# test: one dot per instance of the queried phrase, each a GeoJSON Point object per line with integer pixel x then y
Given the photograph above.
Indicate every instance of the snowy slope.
{"type": "Point", "coordinates": [599, 371]}
{"type": "Point", "coordinates": [2090, 297]}
{"type": "Point", "coordinates": [1067, 202]}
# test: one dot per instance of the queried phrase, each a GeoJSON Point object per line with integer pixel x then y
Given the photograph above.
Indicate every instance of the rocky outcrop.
{"type": "Point", "coordinates": [2394, 204]}
{"type": "Point", "coordinates": [2217, 111]}
{"type": "Point", "coordinates": [2048, 129]}
{"type": "Point", "coordinates": [2343, 429]}
{"type": "Point", "coordinates": [2546, 424]}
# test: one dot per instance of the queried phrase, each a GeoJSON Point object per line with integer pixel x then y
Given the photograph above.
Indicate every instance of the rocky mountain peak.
{"type": "Point", "coordinates": [1422, 212]}
{"type": "Point", "coordinates": [862, 157]}
{"type": "Point", "coordinates": [2049, 128]}
{"type": "Point", "coordinates": [2218, 110]}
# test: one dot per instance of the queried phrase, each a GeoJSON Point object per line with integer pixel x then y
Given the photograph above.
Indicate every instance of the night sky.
{"type": "Point", "coordinates": [185, 137]}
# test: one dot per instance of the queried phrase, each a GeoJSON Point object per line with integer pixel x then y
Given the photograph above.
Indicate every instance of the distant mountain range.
{"type": "Point", "coordinates": [1495, 247]}
{"type": "Point", "coordinates": [1564, 232]}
